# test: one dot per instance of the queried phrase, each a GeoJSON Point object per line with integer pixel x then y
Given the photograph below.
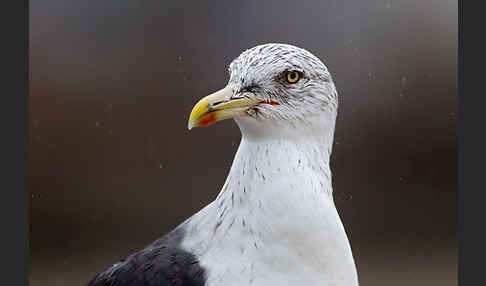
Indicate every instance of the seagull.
{"type": "Point", "coordinates": [274, 221]}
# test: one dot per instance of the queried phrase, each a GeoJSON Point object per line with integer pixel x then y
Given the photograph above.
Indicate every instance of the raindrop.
{"type": "Point", "coordinates": [404, 80]}
{"type": "Point", "coordinates": [97, 124]}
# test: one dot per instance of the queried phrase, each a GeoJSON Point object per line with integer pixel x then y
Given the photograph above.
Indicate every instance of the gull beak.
{"type": "Point", "coordinates": [221, 105]}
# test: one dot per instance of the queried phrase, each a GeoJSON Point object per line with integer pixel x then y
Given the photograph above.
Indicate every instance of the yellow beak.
{"type": "Point", "coordinates": [223, 104]}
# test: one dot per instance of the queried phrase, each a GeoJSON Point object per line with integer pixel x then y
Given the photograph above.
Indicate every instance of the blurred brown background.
{"type": "Point", "coordinates": [113, 166]}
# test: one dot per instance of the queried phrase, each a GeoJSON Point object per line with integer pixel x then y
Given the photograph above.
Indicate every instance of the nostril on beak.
{"type": "Point", "coordinates": [217, 103]}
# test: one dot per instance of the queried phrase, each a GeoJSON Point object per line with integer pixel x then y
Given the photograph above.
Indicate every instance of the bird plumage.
{"type": "Point", "coordinates": [161, 263]}
{"type": "Point", "coordinates": [274, 221]}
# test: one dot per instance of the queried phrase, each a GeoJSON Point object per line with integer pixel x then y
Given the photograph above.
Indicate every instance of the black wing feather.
{"type": "Point", "coordinates": [162, 263]}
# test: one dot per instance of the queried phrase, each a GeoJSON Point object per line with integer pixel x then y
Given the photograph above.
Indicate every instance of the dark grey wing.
{"type": "Point", "coordinates": [161, 263]}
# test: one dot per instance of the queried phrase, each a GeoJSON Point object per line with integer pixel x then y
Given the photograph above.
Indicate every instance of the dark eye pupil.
{"type": "Point", "coordinates": [292, 75]}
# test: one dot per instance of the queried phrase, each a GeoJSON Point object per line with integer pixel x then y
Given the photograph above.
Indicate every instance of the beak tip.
{"type": "Point", "coordinates": [191, 124]}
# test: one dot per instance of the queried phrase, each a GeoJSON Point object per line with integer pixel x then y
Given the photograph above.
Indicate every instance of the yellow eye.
{"type": "Point", "coordinates": [292, 76]}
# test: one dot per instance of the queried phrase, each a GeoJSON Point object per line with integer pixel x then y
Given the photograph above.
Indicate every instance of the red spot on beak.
{"type": "Point", "coordinates": [207, 119]}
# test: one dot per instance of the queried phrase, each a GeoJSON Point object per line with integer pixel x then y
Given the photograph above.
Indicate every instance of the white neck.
{"type": "Point", "coordinates": [275, 219]}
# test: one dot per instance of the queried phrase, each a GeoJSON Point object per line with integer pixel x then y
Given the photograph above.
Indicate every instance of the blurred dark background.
{"type": "Point", "coordinates": [113, 166]}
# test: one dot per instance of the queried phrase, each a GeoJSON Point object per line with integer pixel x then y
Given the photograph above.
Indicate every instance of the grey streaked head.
{"type": "Point", "coordinates": [263, 70]}
{"type": "Point", "coordinates": [272, 83]}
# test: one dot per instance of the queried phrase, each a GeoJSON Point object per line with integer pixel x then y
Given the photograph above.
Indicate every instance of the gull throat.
{"type": "Point", "coordinates": [276, 212]}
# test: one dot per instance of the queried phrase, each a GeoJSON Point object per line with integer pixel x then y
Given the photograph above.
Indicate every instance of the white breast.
{"type": "Point", "coordinates": [274, 222]}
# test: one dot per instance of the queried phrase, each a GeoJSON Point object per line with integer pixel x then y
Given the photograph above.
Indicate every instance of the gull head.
{"type": "Point", "coordinates": [272, 87]}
